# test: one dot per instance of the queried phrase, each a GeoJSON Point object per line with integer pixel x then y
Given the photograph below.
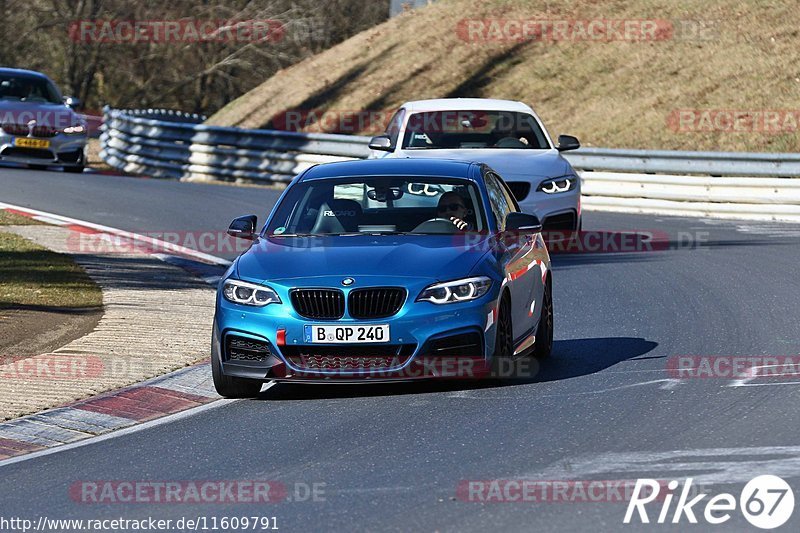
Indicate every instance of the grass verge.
{"type": "Point", "coordinates": [12, 219]}
{"type": "Point", "coordinates": [36, 278]}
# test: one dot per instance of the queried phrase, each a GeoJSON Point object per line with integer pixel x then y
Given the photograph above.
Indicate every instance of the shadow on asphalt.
{"type": "Point", "coordinates": [564, 260]}
{"type": "Point", "coordinates": [570, 358]}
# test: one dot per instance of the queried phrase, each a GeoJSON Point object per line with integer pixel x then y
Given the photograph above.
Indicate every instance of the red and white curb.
{"type": "Point", "coordinates": [172, 393]}
{"type": "Point", "coordinates": [117, 412]}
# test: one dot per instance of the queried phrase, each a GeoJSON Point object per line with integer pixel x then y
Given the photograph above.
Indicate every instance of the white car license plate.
{"type": "Point", "coordinates": [346, 334]}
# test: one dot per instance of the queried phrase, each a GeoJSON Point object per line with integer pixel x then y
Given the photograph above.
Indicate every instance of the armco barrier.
{"type": "Point", "coordinates": [139, 144]}
{"type": "Point", "coordinates": [722, 197]}
{"type": "Point", "coordinates": [174, 145]}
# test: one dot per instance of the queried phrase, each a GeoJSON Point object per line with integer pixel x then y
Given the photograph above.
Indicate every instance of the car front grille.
{"type": "Point", "coordinates": [243, 349]}
{"type": "Point", "coordinates": [380, 302]}
{"type": "Point", "coordinates": [520, 189]}
{"type": "Point", "coordinates": [324, 304]}
{"type": "Point", "coordinates": [349, 358]}
{"type": "Point", "coordinates": [22, 130]}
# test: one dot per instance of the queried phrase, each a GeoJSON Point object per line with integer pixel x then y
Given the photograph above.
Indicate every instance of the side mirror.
{"type": "Point", "coordinates": [568, 142]}
{"type": "Point", "coordinates": [381, 142]}
{"type": "Point", "coordinates": [244, 227]}
{"type": "Point", "coordinates": [71, 101]}
{"type": "Point", "coordinates": [523, 223]}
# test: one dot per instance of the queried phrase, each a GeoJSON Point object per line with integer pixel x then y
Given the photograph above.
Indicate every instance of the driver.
{"type": "Point", "coordinates": [451, 206]}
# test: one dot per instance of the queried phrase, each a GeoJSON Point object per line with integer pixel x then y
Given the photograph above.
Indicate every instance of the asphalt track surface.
{"type": "Point", "coordinates": [391, 457]}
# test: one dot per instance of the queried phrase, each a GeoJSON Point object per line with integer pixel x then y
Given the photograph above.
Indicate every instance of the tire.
{"type": "Point", "coordinates": [544, 332]}
{"type": "Point", "coordinates": [504, 337]}
{"type": "Point", "coordinates": [229, 386]}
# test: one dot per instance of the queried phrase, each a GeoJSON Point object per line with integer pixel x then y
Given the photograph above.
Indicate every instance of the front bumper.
{"type": "Point", "coordinates": [559, 211]}
{"type": "Point", "coordinates": [427, 341]}
{"type": "Point", "coordinates": [64, 150]}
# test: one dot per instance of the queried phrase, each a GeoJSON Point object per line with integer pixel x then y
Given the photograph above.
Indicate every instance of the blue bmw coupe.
{"type": "Point", "coordinates": [391, 269]}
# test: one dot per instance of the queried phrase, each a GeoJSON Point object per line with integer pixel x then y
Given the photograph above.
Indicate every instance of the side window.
{"type": "Point", "coordinates": [393, 129]}
{"type": "Point", "coordinates": [498, 200]}
{"type": "Point", "coordinates": [512, 201]}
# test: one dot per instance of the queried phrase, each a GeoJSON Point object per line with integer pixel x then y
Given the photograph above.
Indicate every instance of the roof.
{"type": "Point", "coordinates": [443, 168]}
{"type": "Point", "coordinates": [467, 104]}
{"type": "Point", "coordinates": [22, 72]}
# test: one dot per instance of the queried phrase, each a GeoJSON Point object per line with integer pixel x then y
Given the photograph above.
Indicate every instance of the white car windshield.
{"type": "Point", "coordinates": [473, 130]}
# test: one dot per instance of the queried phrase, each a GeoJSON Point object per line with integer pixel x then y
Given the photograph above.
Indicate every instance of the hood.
{"type": "Point", "coordinates": [44, 113]}
{"type": "Point", "coordinates": [511, 164]}
{"type": "Point", "coordinates": [434, 257]}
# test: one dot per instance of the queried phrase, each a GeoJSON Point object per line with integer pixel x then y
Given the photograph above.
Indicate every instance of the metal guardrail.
{"type": "Point", "coordinates": [679, 162]}
{"type": "Point", "coordinates": [170, 144]}
{"type": "Point", "coordinates": [137, 143]}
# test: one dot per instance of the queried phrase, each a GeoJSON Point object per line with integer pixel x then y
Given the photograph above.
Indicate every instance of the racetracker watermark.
{"type": "Point", "coordinates": [351, 122]}
{"type": "Point", "coordinates": [257, 491]}
{"type": "Point", "coordinates": [52, 367]}
{"type": "Point", "coordinates": [72, 368]}
{"type": "Point", "coordinates": [449, 367]}
{"type": "Point", "coordinates": [555, 491]}
{"type": "Point", "coordinates": [769, 121]}
{"type": "Point", "coordinates": [210, 242]}
{"type": "Point", "coordinates": [176, 31]}
{"type": "Point", "coordinates": [598, 30]}
{"type": "Point", "coordinates": [733, 366]}
{"type": "Point", "coordinates": [88, 241]}
{"type": "Point", "coordinates": [41, 123]}
{"type": "Point", "coordinates": [545, 491]}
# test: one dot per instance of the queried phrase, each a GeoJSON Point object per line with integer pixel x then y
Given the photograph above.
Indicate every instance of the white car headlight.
{"type": "Point", "coordinates": [557, 185]}
{"type": "Point", "coordinates": [74, 129]}
{"type": "Point", "coordinates": [241, 292]}
{"type": "Point", "coordinates": [461, 290]}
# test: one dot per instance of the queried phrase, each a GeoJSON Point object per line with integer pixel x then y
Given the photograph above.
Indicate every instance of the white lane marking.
{"type": "Point", "coordinates": [48, 220]}
{"type": "Point", "coordinates": [668, 384]}
{"type": "Point", "coordinates": [769, 384]}
{"type": "Point", "coordinates": [705, 465]}
{"type": "Point", "coordinates": [163, 245]}
{"type": "Point", "coordinates": [127, 431]}
{"type": "Point", "coordinates": [754, 373]}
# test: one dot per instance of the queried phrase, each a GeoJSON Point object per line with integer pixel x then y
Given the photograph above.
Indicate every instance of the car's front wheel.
{"type": "Point", "coordinates": [229, 386]}
{"type": "Point", "coordinates": [504, 339]}
{"type": "Point", "coordinates": [544, 333]}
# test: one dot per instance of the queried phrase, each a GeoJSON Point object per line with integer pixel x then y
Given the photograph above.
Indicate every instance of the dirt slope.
{"type": "Point", "coordinates": [718, 75]}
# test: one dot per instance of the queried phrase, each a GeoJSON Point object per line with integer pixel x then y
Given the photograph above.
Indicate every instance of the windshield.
{"type": "Point", "coordinates": [473, 129]}
{"type": "Point", "coordinates": [379, 205]}
{"type": "Point", "coordinates": [27, 89]}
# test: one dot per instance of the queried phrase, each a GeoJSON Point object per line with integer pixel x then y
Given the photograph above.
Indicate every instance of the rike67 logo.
{"type": "Point", "coordinates": [766, 502]}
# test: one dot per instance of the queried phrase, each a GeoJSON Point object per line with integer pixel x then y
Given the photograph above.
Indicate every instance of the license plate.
{"type": "Point", "coordinates": [27, 142]}
{"type": "Point", "coordinates": [346, 334]}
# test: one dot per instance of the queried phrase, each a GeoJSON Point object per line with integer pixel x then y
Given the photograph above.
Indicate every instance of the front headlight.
{"type": "Point", "coordinates": [461, 290]}
{"type": "Point", "coordinates": [74, 129]}
{"type": "Point", "coordinates": [557, 185]}
{"type": "Point", "coordinates": [241, 292]}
